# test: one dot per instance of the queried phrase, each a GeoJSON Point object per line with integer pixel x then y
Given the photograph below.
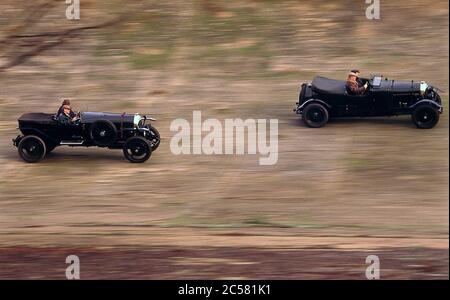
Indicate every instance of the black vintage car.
{"type": "Point", "coordinates": [327, 98]}
{"type": "Point", "coordinates": [41, 133]}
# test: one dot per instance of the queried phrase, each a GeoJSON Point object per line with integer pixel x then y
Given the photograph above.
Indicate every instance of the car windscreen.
{"type": "Point", "coordinates": [376, 81]}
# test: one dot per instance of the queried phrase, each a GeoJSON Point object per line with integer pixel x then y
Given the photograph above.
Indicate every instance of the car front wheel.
{"type": "Point", "coordinates": [425, 116]}
{"type": "Point", "coordinates": [315, 115]}
{"type": "Point", "coordinates": [137, 149]}
{"type": "Point", "coordinates": [31, 149]}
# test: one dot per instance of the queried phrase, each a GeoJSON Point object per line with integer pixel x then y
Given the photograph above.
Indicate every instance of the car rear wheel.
{"type": "Point", "coordinates": [31, 149]}
{"type": "Point", "coordinates": [155, 138]}
{"type": "Point", "coordinates": [425, 116]}
{"type": "Point", "coordinates": [103, 133]}
{"type": "Point", "coordinates": [137, 149]}
{"type": "Point", "coordinates": [315, 115]}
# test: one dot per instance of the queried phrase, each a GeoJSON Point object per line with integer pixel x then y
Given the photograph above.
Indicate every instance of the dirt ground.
{"type": "Point", "coordinates": [222, 263]}
{"type": "Point", "coordinates": [337, 194]}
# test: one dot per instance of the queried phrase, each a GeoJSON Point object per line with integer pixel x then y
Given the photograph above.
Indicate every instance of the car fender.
{"type": "Point", "coordinates": [301, 107]}
{"type": "Point", "coordinates": [429, 102]}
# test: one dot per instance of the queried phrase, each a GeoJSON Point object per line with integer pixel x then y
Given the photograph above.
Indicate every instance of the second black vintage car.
{"type": "Point", "coordinates": [327, 98]}
{"type": "Point", "coordinates": [41, 133]}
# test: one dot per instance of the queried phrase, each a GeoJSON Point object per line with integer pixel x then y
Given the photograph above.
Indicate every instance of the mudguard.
{"type": "Point", "coordinates": [301, 107]}
{"type": "Point", "coordinates": [428, 102]}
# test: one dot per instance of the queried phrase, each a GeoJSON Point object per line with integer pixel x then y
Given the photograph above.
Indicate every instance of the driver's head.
{"type": "Point", "coordinates": [65, 102]}
{"type": "Point", "coordinates": [357, 72]}
{"type": "Point", "coordinates": [66, 109]}
{"type": "Point", "coordinates": [352, 76]}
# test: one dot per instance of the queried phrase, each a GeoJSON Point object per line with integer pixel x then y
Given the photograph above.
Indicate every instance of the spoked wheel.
{"type": "Point", "coordinates": [103, 133]}
{"type": "Point", "coordinates": [31, 148]}
{"type": "Point", "coordinates": [137, 149]}
{"type": "Point", "coordinates": [155, 138]}
{"type": "Point", "coordinates": [425, 116]}
{"type": "Point", "coordinates": [315, 115]}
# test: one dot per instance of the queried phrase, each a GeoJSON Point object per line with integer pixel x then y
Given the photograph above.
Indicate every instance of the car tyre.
{"type": "Point", "coordinates": [137, 149]}
{"type": "Point", "coordinates": [103, 133]}
{"type": "Point", "coordinates": [32, 149]}
{"type": "Point", "coordinates": [315, 115]}
{"type": "Point", "coordinates": [425, 116]}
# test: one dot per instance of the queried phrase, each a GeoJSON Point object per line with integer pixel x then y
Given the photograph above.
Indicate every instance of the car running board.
{"type": "Point", "coordinates": [72, 143]}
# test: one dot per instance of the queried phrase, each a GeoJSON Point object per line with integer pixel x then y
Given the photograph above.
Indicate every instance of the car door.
{"type": "Point", "coordinates": [356, 105]}
{"type": "Point", "coordinates": [69, 132]}
{"type": "Point", "coordinates": [383, 104]}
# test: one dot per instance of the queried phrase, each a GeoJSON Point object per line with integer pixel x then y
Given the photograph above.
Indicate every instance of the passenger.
{"type": "Point", "coordinates": [352, 86]}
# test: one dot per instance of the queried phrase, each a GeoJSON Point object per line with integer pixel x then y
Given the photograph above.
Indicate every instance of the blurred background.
{"type": "Point", "coordinates": [353, 188]}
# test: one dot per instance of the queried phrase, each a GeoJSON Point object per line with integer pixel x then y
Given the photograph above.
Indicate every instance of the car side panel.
{"type": "Point", "coordinates": [347, 106]}
{"type": "Point", "coordinates": [383, 104]}
{"type": "Point", "coordinates": [48, 132]}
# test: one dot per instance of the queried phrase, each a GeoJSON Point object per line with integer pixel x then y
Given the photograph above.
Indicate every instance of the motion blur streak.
{"type": "Point", "coordinates": [336, 195]}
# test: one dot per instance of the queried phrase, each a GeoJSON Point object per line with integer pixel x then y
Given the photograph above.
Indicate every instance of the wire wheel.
{"type": "Point", "coordinates": [137, 149]}
{"type": "Point", "coordinates": [31, 149]}
{"type": "Point", "coordinates": [315, 115]}
{"type": "Point", "coordinates": [425, 116]}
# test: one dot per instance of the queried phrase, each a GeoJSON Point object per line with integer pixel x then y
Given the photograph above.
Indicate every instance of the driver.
{"type": "Point", "coordinates": [65, 116]}
{"type": "Point", "coordinates": [61, 110]}
{"type": "Point", "coordinates": [352, 85]}
{"type": "Point", "coordinates": [358, 79]}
